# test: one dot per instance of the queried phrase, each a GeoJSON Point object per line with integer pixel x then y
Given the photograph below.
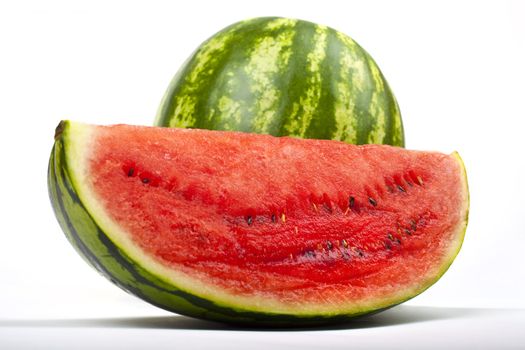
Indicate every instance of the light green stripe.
{"type": "Point", "coordinates": [344, 105]}
{"type": "Point", "coordinates": [398, 137]}
{"type": "Point", "coordinates": [352, 63]}
{"type": "Point", "coordinates": [230, 110]}
{"type": "Point", "coordinates": [267, 60]}
{"type": "Point", "coordinates": [377, 108]}
{"type": "Point", "coordinates": [278, 23]}
{"type": "Point", "coordinates": [348, 41]}
{"type": "Point", "coordinates": [377, 113]}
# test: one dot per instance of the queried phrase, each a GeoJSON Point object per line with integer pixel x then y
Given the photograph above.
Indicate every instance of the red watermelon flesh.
{"type": "Point", "coordinates": [275, 224]}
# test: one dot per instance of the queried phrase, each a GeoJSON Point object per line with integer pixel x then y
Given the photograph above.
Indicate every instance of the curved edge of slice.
{"type": "Point", "coordinates": [87, 227]}
{"type": "Point", "coordinates": [460, 231]}
{"type": "Point", "coordinates": [462, 226]}
{"type": "Point", "coordinates": [101, 253]}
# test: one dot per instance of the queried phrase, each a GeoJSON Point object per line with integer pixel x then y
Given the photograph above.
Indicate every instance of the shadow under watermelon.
{"type": "Point", "coordinates": [403, 314]}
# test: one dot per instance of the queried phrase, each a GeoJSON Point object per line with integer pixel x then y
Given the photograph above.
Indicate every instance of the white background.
{"type": "Point", "coordinates": [456, 68]}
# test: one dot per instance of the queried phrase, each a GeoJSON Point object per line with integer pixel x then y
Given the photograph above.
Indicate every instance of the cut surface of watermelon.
{"type": "Point", "coordinates": [261, 224]}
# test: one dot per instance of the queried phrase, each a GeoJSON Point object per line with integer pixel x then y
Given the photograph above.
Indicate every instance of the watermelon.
{"type": "Point", "coordinates": [255, 229]}
{"type": "Point", "coordinates": [284, 76]}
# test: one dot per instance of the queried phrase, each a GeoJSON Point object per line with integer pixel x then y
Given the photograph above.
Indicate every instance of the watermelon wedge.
{"type": "Point", "coordinates": [256, 229]}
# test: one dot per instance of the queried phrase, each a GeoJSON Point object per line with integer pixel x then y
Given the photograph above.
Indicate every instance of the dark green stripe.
{"type": "Point", "coordinates": [56, 197]}
{"type": "Point", "coordinates": [323, 124]}
{"type": "Point", "coordinates": [394, 135]}
{"type": "Point", "coordinates": [385, 101]}
{"type": "Point", "coordinates": [293, 80]}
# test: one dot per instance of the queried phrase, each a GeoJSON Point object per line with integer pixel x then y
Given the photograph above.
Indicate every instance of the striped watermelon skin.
{"type": "Point", "coordinates": [284, 77]}
{"type": "Point", "coordinates": [98, 250]}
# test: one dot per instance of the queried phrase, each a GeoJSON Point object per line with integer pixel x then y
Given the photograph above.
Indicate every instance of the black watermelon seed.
{"type": "Point", "coordinates": [329, 245]}
{"type": "Point", "coordinates": [351, 202]}
{"type": "Point", "coordinates": [413, 225]}
{"type": "Point", "coordinates": [249, 220]}
{"type": "Point", "coordinates": [388, 246]}
{"type": "Point", "coordinates": [145, 180]}
{"type": "Point", "coordinates": [358, 252]}
{"type": "Point", "coordinates": [399, 187]}
{"type": "Point", "coordinates": [372, 201]}
{"type": "Point", "coordinates": [309, 253]}
{"type": "Point", "coordinates": [131, 171]}
{"type": "Point", "coordinates": [274, 218]}
{"type": "Point", "coordinates": [407, 231]}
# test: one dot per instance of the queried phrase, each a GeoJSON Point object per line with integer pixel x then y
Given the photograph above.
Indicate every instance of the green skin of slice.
{"type": "Point", "coordinates": [99, 251]}
{"type": "Point", "coordinates": [284, 77]}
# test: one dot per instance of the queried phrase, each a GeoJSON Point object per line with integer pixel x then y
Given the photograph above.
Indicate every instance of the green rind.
{"type": "Point", "coordinates": [461, 235]}
{"type": "Point", "coordinates": [100, 252]}
{"type": "Point", "coordinates": [98, 249]}
{"type": "Point", "coordinates": [284, 77]}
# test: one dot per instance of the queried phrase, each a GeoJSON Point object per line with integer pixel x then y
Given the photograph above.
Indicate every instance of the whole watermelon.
{"type": "Point", "coordinates": [284, 76]}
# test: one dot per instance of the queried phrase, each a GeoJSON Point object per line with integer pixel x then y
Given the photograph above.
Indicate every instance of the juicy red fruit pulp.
{"type": "Point", "coordinates": [294, 219]}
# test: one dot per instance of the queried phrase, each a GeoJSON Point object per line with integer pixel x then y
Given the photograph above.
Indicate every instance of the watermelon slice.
{"type": "Point", "coordinates": [240, 227]}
